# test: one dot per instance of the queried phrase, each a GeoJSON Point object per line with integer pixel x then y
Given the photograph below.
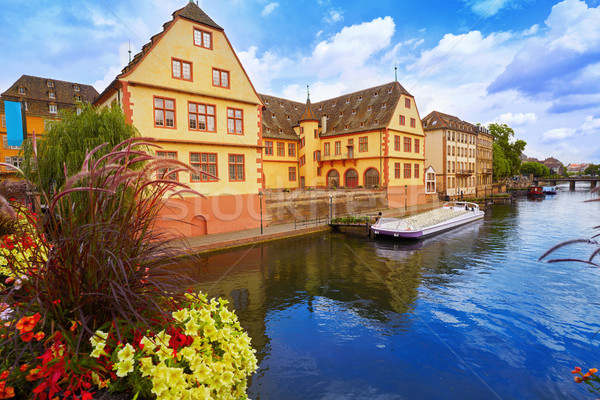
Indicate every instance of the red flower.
{"type": "Point", "coordinates": [26, 337]}
{"type": "Point", "coordinates": [578, 379]}
{"type": "Point", "coordinates": [39, 336]}
{"type": "Point", "coordinates": [6, 392]}
{"type": "Point", "coordinates": [4, 375]}
{"type": "Point", "coordinates": [27, 324]}
{"type": "Point", "coordinates": [576, 370]}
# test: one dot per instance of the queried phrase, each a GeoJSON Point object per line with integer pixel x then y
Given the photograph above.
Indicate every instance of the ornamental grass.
{"type": "Point", "coordinates": [89, 302]}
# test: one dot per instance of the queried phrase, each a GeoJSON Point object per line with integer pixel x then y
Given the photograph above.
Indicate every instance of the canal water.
{"type": "Point", "coordinates": [468, 314]}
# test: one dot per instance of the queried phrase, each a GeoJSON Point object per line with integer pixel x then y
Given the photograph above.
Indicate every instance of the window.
{"type": "Point", "coordinates": [407, 144]}
{"type": "Point", "coordinates": [326, 149]}
{"type": "Point", "coordinates": [22, 90]}
{"type": "Point", "coordinates": [164, 112]}
{"type": "Point", "coordinates": [413, 123]}
{"type": "Point", "coordinates": [205, 162]}
{"type": "Point", "coordinates": [201, 117]}
{"type": "Point", "coordinates": [3, 120]}
{"type": "Point", "coordinates": [51, 95]}
{"type": "Point", "coordinates": [292, 174]}
{"type": "Point", "coordinates": [407, 103]}
{"type": "Point", "coordinates": [402, 120]}
{"type": "Point", "coordinates": [16, 161]}
{"type": "Point", "coordinates": [6, 146]}
{"type": "Point", "coordinates": [453, 150]}
{"type": "Point", "coordinates": [235, 121]}
{"type": "Point", "coordinates": [397, 170]}
{"type": "Point", "coordinates": [203, 39]}
{"type": "Point", "coordinates": [416, 170]}
{"type": "Point", "coordinates": [79, 111]}
{"type": "Point", "coordinates": [76, 87]}
{"type": "Point", "coordinates": [449, 150]}
{"type": "Point", "coordinates": [220, 78]}
{"type": "Point", "coordinates": [164, 172]}
{"type": "Point", "coordinates": [301, 129]}
{"type": "Point", "coordinates": [281, 149]}
{"type": "Point", "coordinates": [302, 160]}
{"type": "Point", "coordinates": [407, 170]}
{"type": "Point", "coordinates": [236, 167]}
{"type": "Point", "coordinates": [449, 166]}
{"type": "Point", "coordinates": [319, 171]}
{"type": "Point", "coordinates": [363, 144]}
{"type": "Point", "coordinates": [78, 99]}
{"type": "Point", "coordinates": [52, 109]}
{"type": "Point", "coordinates": [338, 148]}
{"type": "Point", "coordinates": [417, 146]}
{"type": "Point", "coordinates": [316, 133]}
{"type": "Point", "coordinates": [301, 142]}
{"type": "Point", "coordinates": [182, 69]}
{"type": "Point", "coordinates": [317, 155]}
{"type": "Point", "coordinates": [397, 143]}
{"type": "Point", "coordinates": [268, 148]}
{"type": "Point", "coordinates": [292, 149]}
{"type": "Point", "coordinates": [50, 83]}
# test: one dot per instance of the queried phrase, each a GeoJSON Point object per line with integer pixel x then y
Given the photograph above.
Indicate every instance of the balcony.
{"type": "Point", "coordinates": [464, 172]}
{"type": "Point", "coordinates": [487, 171]}
{"type": "Point", "coordinates": [344, 157]}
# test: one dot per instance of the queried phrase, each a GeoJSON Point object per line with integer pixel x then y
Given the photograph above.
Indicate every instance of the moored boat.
{"type": "Point", "coordinates": [535, 192]}
{"type": "Point", "coordinates": [450, 215]}
{"type": "Point", "coordinates": [549, 189]}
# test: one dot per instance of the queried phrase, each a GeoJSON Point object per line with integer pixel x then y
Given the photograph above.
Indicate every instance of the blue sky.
{"type": "Point", "coordinates": [534, 65]}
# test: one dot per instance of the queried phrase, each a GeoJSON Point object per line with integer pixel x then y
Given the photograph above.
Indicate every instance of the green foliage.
{"type": "Point", "coordinates": [537, 169]}
{"type": "Point", "coordinates": [63, 147]}
{"type": "Point", "coordinates": [511, 150]}
{"type": "Point", "coordinates": [592, 169]}
{"type": "Point", "coordinates": [350, 220]}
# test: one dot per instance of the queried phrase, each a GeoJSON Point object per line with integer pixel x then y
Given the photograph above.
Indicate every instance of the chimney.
{"type": "Point", "coordinates": [323, 124]}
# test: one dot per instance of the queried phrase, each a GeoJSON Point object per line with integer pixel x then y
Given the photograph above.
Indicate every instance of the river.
{"type": "Point", "coordinates": [468, 314]}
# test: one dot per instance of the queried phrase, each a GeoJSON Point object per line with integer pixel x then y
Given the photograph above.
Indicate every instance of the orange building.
{"type": "Point", "coordinates": [372, 138]}
{"type": "Point", "coordinates": [189, 91]}
{"type": "Point", "coordinates": [43, 98]}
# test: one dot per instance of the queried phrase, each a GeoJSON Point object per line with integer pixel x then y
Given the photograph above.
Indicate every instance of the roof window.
{"type": "Point", "coordinates": [76, 87]}
{"type": "Point", "coordinates": [22, 90]}
{"type": "Point", "coordinates": [50, 83]}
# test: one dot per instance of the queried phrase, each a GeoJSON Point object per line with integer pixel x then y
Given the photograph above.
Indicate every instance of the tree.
{"type": "Point", "coordinates": [501, 167]}
{"type": "Point", "coordinates": [592, 169]}
{"type": "Point", "coordinates": [537, 169]}
{"type": "Point", "coordinates": [511, 151]}
{"type": "Point", "coordinates": [64, 145]}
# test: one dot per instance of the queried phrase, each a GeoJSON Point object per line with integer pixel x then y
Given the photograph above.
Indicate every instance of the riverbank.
{"type": "Point", "coordinates": [230, 240]}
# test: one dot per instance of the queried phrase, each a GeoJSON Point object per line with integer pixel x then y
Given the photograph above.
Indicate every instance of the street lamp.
{"type": "Point", "coordinates": [260, 196]}
{"type": "Point", "coordinates": [405, 197]}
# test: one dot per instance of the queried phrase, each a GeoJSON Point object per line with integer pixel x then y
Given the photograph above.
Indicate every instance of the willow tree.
{"type": "Point", "coordinates": [64, 145]}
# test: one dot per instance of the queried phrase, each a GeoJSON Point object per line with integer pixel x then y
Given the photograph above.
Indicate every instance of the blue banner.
{"type": "Point", "coordinates": [16, 130]}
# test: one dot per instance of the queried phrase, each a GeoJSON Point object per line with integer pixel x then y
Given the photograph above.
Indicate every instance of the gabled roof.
{"type": "Point", "coordinates": [308, 114]}
{"type": "Point", "coordinates": [280, 116]}
{"type": "Point", "coordinates": [365, 110]}
{"type": "Point", "coordinates": [190, 12]}
{"type": "Point", "coordinates": [437, 120]}
{"type": "Point", "coordinates": [37, 94]}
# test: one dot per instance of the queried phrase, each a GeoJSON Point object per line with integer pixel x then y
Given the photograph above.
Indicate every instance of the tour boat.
{"type": "Point", "coordinates": [450, 215]}
{"type": "Point", "coordinates": [550, 189]}
{"type": "Point", "coordinates": [535, 192]}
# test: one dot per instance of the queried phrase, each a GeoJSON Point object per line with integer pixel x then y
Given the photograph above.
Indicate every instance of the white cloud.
{"type": "Point", "coordinates": [558, 134]}
{"type": "Point", "coordinates": [488, 8]}
{"type": "Point", "coordinates": [517, 119]}
{"type": "Point", "coordinates": [269, 8]}
{"type": "Point", "coordinates": [333, 16]}
{"type": "Point", "coordinates": [591, 124]}
{"type": "Point", "coordinates": [319, 34]}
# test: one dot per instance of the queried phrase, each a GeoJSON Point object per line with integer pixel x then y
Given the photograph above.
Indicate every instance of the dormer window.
{"type": "Point", "coordinates": [295, 107]}
{"type": "Point", "coordinates": [375, 94]}
{"type": "Point", "coordinates": [78, 98]}
{"type": "Point", "coordinates": [280, 130]}
{"type": "Point", "coordinates": [76, 87]}
{"type": "Point", "coordinates": [362, 124]}
{"type": "Point", "coordinates": [50, 83]}
{"type": "Point", "coordinates": [390, 90]}
{"type": "Point", "coordinates": [320, 107]}
{"type": "Point", "coordinates": [52, 109]}
{"type": "Point", "coordinates": [266, 102]}
{"type": "Point", "coordinates": [360, 97]}
{"type": "Point", "coordinates": [333, 104]}
{"type": "Point", "coordinates": [281, 105]}
{"type": "Point", "coordinates": [288, 117]}
{"type": "Point", "coordinates": [341, 114]}
{"type": "Point", "coordinates": [268, 130]}
{"type": "Point", "coordinates": [376, 121]}
{"type": "Point", "coordinates": [354, 111]}
{"type": "Point", "coordinates": [384, 105]}
{"type": "Point", "coordinates": [22, 90]}
{"type": "Point", "coordinates": [369, 108]}
{"type": "Point", "coordinates": [346, 127]}
{"type": "Point", "coordinates": [347, 100]}
{"type": "Point", "coordinates": [273, 115]}
{"type": "Point", "coordinates": [51, 95]}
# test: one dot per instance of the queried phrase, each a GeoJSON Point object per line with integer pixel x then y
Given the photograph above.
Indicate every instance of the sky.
{"type": "Point", "coordinates": [531, 64]}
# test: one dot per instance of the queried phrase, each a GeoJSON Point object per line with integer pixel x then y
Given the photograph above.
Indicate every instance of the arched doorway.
{"type": "Point", "coordinates": [371, 178]}
{"type": "Point", "coordinates": [351, 178]}
{"type": "Point", "coordinates": [333, 179]}
{"type": "Point", "coordinates": [199, 226]}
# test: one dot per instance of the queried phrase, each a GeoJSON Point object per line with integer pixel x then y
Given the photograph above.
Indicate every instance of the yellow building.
{"type": "Point", "coordinates": [188, 89]}
{"type": "Point", "coordinates": [42, 99]}
{"type": "Point", "coordinates": [452, 149]}
{"type": "Point", "coordinates": [485, 160]}
{"type": "Point", "coordinates": [372, 138]}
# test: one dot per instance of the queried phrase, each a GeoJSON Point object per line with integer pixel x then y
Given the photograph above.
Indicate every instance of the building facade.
{"type": "Point", "coordinates": [42, 99]}
{"type": "Point", "coordinates": [452, 149]}
{"type": "Point", "coordinates": [189, 91]}
{"type": "Point", "coordinates": [485, 160]}
{"type": "Point", "coordinates": [371, 138]}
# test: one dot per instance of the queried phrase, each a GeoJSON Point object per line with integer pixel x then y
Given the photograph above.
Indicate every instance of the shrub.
{"type": "Point", "coordinates": [104, 269]}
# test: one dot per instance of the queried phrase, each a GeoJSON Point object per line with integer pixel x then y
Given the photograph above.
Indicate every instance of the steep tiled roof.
{"type": "Point", "coordinates": [308, 114]}
{"type": "Point", "coordinates": [191, 12]}
{"type": "Point", "coordinates": [437, 120]}
{"type": "Point", "coordinates": [37, 94]}
{"type": "Point", "coordinates": [280, 116]}
{"type": "Point", "coordinates": [364, 110]}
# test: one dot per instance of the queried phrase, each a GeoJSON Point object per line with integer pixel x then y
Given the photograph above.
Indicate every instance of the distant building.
{"type": "Point", "coordinates": [42, 99]}
{"type": "Point", "coordinates": [371, 138]}
{"type": "Point", "coordinates": [452, 147]}
{"type": "Point", "coordinates": [555, 166]}
{"type": "Point", "coordinates": [577, 168]}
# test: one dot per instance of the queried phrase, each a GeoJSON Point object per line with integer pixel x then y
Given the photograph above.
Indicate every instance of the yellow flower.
{"type": "Point", "coordinates": [126, 353]}
{"type": "Point", "coordinates": [191, 327]}
{"type": "Point", "coordinates": [146, 366]}
{"type": "Point", "coordinates": [98, 337]}
{"type": "Point", "coordinates": [181, 315]}
{"type": "Point", "coordinates": [124, 367]}
{"type": "Point", "coordinates": [149, 345]}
